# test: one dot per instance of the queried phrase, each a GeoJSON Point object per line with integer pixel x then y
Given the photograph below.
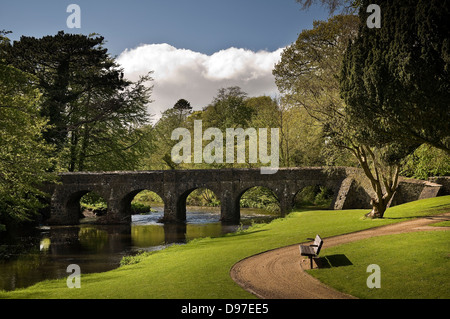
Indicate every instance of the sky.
{"type": "Point", "coordinates": [193, 47]}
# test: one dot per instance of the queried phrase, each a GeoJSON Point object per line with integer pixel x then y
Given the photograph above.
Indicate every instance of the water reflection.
{"type": "Point", "coordinates": [46, 253]}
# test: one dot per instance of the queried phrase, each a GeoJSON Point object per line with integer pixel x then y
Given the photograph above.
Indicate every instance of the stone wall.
{"type": "Point", "coordinates": [444, 181]}
{"type": "Point", "coordinates": [412, 189]}
{"type": "Point", "coordinates": [350, 187]}
{"type": "Point", "coordinates": [360, 190]}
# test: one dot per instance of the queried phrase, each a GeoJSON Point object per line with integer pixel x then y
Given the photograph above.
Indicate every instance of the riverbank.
{"type": "Point", "coordinates": [283, 274]}
{"type": "Point", "coordinates": [201, 268]}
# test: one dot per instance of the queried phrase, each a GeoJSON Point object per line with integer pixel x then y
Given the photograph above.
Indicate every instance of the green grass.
{"type": "Point", "coordinates": [200, 269]}
{"type": "Point", "coordinates": [412, 265]}
{"type": "Point", "coordinates": [442, 224]}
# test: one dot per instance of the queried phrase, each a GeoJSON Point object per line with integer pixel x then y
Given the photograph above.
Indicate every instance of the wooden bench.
{"type": "Point", "coordinates": [312, 250]}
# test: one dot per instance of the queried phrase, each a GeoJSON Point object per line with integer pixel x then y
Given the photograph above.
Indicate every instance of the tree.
{"type": "Point", "coordinates": [184, 108]}
{"type": "Point", "coordinates": [395, 79]}
{"type": "Point", "coordinates": [332, 5]}
{"type": "Point", "coordinates": [395, 84]}
{"type": "Point", "coordinates": [265, 112]}
{"type": "Point", "coordinates": [91, 108]}
{"type": "Point", "coordinates": [308, 76]}
{"type": "Point", "coordinates": [110, 136]}
{"type": "Point", "coordinates": [24, 155]}
{"type": "Point", "coordinates": [228, 109]}
{"type": "Point", "coordinates": [161, 158]}
{"type": "Point", "coordinates": [425, 162]}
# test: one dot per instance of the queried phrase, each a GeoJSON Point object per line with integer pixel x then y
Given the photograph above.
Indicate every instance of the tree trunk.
{"type": "Point", "coordinates": [73, 151]}
{"type": "Point", "coordinates": [378, 209]}
{"type": "Point", "coordinates": [84, 146]}
{"type": "Point", "coordinates": [381, 177]}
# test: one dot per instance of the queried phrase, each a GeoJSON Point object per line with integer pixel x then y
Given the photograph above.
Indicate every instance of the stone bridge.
{"type": "Point", "coordinates": [174, 186]}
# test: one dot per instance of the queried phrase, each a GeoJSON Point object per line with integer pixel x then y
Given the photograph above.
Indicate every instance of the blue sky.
{"type": "Point", "coordinates": [201, 25]}
{"type": "Point", "coordinates": [217, 43]}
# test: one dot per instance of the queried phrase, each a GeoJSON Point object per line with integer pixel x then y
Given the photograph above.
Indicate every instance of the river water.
{"type": "Point", "coordinates": [45, 253]}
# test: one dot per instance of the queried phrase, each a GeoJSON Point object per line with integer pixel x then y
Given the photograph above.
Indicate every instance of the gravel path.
{"type": "Point", "coordinates": [279, 273]}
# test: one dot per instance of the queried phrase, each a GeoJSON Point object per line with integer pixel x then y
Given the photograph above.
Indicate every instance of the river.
{"type": "Point", "coordinates": [45, 252]}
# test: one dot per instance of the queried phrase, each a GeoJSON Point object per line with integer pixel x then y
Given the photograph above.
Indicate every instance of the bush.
{"type": "Point", "coordinates": [314, 196]}
{"type": "Point", "coordinates": [426, 161]}
{"type": "Point", "coordinates": [140, 208]}
{"type": "Point", "coordinates": [147, 197]}
{"type": "Point", "coordinates": [134, 259]}
{"type": "Point", "coordinates": [203, 197]}
{"type": "Point", "coordinates": [260, 197]}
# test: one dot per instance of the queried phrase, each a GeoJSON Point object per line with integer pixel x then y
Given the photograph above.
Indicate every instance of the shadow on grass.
{"type": "Point", "coordinates": [404, 217]}
{"type": "Point", "coordinates": [244, 233]}
{"type": "Point", "coordinates": [330, 261]}
{"type": "Point", "coordinates": [437, 217]}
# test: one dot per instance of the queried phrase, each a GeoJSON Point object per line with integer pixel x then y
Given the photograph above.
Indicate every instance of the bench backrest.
{"type": "Point", "coordinates": [319, 242]}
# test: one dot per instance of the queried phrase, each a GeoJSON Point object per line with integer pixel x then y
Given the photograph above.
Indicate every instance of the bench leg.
{"type": "Point", "coordinates": [311, 261]}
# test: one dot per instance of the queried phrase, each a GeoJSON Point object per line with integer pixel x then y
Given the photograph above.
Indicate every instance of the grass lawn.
{"type": "Point", "coordinates": [412, 265]}
{"type": "Point", "coordinates": [200, 269]}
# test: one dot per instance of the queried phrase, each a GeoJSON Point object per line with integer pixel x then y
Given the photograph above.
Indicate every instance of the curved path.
{"type": "Point", "coordinates": [279, 273]}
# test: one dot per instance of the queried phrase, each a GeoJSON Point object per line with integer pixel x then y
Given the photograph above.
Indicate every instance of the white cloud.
{"type": "Point", "coordinates": [196, 77]}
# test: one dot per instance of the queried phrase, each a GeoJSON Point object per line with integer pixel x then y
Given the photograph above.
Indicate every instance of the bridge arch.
{"type": "Point", "coordinates": [72, 206]}
{"type": "Point", "coordinates": [124, 203]}
{"type": "Point", "coordinates": [182, 200]}
{"type": "Point", "coordinates": [275, 192]}
{"type": "Point", "coordinates": [173, 186]}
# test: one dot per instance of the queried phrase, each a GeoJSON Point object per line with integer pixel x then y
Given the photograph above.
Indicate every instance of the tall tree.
{"type": "Point", "coordinates": [183, 107]}
{"type": "Point", "coordinates": [24, 155]}
{"type": "Point", "coordinates": [85, 97]}
{"type": "Point", "coordinates": [308, 76]}
{"type": "Point", "coordinates": [332, 5]}
{"type": "Point", "coordinates": [395, 79]}
{"type": "Point", "coordinates": [161, 158]}
{"type": "Point", "coordinates": [228, 109]}
{"type": "Point", "coordinates": [396, 87]}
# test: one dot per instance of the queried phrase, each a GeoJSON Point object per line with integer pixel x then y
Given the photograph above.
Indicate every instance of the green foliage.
{"type": "Point", "coordinates": [395, 79]}
{"type": "Point", "coordinates": [141, 204]}
{"type": "Point", "coordinates": [93, 202]}
{"type": "Point", "coordinates": [314, 196]}
{"type": "Point", "coordinates": [260, 197]}
{"type": "Point", "coordinates": [95, 114]}
{"type": "Point", "coordinates": [147, 197]}
{"type": "Point", "coordinates": [161, 142]}
{"type": "Point", "coordinates": [425, 162]}
{"type": "Point", "coordinates": [134, 259]}
{"type": "Point", "coordinates": [183, 107]}
{"type": "Point", "coordinates": [228, 109]}
{"type": "Point", "coordinates": [140, 208]}
{"type": "Point", "coordinates": [143, 201]}
{"type": "Point", "coordinates": [308, 78]}
{"type": "Point", "coordinates": [301, 139]}
{"type": "Point", "coordinates": [24, 155]}
{"type": "Point", "coordinates": [203, 197]}
{"type": "Point", "coordinates": [396, 88]}
{"type": "Point", "coordinates": [92, 198]}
